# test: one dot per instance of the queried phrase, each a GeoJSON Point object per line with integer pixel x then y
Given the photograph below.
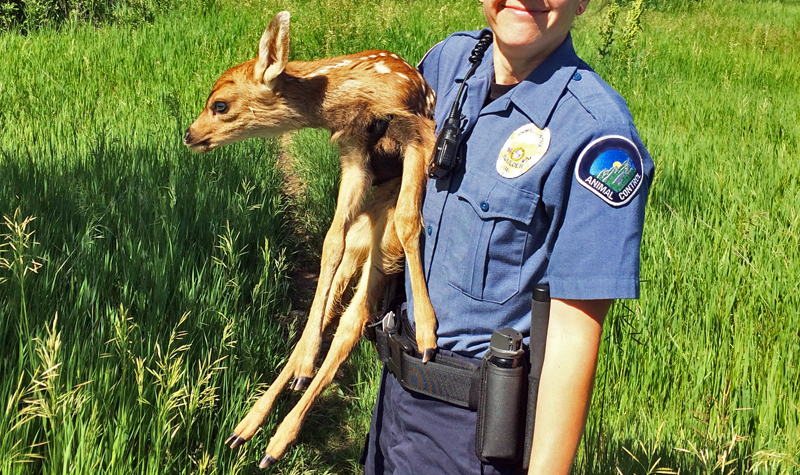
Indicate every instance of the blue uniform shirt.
{"type": "Point", "coordinates": [551, 187]}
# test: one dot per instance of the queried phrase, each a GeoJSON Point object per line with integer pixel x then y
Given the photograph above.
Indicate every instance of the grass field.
{"type": "Point", "coordinates": [144, 291]}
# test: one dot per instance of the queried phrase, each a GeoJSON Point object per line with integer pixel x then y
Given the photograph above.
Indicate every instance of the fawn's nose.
{"type": "Point", "coordinates": [187, 137]}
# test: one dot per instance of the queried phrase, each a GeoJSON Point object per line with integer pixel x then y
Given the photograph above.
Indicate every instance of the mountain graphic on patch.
{"type": "Point", "coordinates": [611, 168]}
{"type": "Point", "coordinates": [618, 175]}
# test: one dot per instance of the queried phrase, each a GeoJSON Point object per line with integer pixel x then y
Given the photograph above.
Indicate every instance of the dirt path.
{"type": "Point", "coordinates": [305, 273]}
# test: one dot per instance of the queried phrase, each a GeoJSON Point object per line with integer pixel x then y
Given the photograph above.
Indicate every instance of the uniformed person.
{"type": "Point", "coordinates": [550, 187]}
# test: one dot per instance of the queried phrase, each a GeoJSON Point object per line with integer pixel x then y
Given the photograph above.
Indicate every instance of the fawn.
{"type": "Point", "coordinates": [376, 106]}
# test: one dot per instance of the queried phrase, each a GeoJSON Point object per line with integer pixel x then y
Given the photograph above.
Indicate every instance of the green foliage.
{"type": "Point", "coordinates": [607, 29]}
{"type": "Point", "coordinates": [30, 15]}
{"type": "Point", "coordinates": [161, 306]}
{"type": "Point", "coordinates": [10, 15]}
{"type": "Point", "coordinates": [713, 337]}
{"type": "Point", "coordinates": [41, 13]}
{"type": "Point", "coordinates": [673, 6]}
{"type": "Point", "coordinates": [633, 25]}
{"type": "Point", "coordinates": [626, 37]}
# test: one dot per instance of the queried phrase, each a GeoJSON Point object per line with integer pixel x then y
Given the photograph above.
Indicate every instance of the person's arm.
{"type": "Point", "coordinates": [565, 390]}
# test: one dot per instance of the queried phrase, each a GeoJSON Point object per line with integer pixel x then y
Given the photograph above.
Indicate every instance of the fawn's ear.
{"type": "Point", "coordinates": [273, 50]}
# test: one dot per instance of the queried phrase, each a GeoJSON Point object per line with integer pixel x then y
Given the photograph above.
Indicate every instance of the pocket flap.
{"type": "Point", "coordinates": [491, 198]}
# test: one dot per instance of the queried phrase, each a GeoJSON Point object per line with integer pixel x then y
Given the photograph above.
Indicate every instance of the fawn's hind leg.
{"type": "Point", "coordinates": [351, 326]}
{"type": "Point", "coordinates": [353, 187]}
{"type": "Point", "coordinates": [357, 248]}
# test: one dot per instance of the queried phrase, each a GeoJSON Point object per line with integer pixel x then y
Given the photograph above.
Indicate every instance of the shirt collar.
{"type": "Point", "coordinates": [477, 88]}
{"type": "Point", "coordinates": [537, 95]}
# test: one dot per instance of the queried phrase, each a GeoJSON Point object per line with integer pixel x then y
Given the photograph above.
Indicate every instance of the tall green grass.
{"type": "Point", "coordinates": [159, 305]}
{"type": "Point", "coordinates": [702, 372]}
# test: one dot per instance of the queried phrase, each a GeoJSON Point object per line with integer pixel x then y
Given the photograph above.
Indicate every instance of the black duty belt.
{"type": "Point", "coordinates": [446, 378]}
{"type": "Point", "coordinates": [492, 388]}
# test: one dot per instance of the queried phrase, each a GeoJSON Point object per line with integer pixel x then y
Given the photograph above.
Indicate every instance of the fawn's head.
{"type": "Point", "coordinates": [246, 101]}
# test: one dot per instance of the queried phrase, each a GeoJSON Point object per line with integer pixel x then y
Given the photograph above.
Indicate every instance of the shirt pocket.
{"type": "Point", "coordinates": [487, 247]}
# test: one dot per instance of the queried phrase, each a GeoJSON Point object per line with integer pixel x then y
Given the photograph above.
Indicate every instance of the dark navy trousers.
{"type": "Point", "coordinates": [414, 434]}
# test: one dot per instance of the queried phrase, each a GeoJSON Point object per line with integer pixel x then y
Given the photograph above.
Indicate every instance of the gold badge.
{"type": "Point", "coordinates": [526, 146]}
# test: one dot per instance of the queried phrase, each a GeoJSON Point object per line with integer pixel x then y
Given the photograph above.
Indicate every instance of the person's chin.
{"type": "Point", "coordinates": [520, 38]}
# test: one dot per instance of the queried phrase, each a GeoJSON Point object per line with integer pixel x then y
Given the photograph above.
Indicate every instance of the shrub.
{"type": "Point", "coordinates": [29, 15]}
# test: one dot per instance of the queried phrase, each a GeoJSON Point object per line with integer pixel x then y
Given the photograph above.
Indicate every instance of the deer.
{"type": "Point", "coordinates": [378, 108]}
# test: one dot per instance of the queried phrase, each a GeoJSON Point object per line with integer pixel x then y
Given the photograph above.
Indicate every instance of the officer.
{"type": "Point", "coordinates": [550, 187]}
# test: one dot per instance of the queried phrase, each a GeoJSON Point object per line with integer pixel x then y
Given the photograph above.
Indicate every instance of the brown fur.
{"type": "Point", "coordinates": [370, 231]}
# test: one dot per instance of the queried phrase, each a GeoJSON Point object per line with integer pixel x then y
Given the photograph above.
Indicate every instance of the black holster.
{"type": "Point", "coordinates": [501, 413]}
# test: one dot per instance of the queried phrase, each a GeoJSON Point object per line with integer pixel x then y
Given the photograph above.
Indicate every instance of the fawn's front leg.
{"type": "Point", "coordinates": [408, 221]}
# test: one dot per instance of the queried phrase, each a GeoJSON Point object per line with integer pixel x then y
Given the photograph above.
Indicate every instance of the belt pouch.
{"type": "Point", "coordinates": [501, 413]}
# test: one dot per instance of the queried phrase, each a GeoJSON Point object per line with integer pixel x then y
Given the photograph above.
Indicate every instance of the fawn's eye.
{"type": "Point", "coordinates": [220, 107]}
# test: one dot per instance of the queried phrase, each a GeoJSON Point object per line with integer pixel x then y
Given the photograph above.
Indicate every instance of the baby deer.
{"type": "Point", "coordinates": [377, 108]}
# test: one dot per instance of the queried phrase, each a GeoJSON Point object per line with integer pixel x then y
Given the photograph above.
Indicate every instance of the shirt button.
{"type": "Point", "coordinates": [430, 230]}
{"type": "Point", "coordinates": [576, 77]}
{"type": "Point", "coordinates": [484, 206]}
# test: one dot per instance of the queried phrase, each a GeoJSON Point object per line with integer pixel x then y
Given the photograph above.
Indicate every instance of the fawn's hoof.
{"type": "Point", "coordinates": [300, 383]}
{"type": "Point", "coordinates": [235, 441]}
{"type": "Point", "coordinates": [266, 461]}
{"type": "Point", "coordinates": [428, 355]}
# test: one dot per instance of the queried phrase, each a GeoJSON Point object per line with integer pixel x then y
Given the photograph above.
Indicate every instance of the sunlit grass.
{"type": "Point", "coordinates": [160, 307]}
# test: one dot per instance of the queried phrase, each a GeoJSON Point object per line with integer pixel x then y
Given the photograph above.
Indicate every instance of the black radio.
{"type": "Point", "coordinates": [445, 155]}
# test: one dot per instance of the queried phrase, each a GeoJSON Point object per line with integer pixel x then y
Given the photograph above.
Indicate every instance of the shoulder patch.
{"type": "Point", "coordinates": [611, 168]}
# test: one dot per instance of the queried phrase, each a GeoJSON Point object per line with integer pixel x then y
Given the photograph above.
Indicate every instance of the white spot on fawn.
{"type": "Point", "coordinates": [430, 99]}
{"type": "Point", "coordinates": [328, 69]}
{"type": "Point", "coordinates": [352, 84]}
{"type": "Point", "coordinates": [381, 68]}
{"type": "Point", "coordinates": [402, 76]}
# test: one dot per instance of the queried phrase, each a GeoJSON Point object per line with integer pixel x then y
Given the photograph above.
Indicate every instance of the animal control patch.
{"type": "Point", "coordinates": [611, 168]}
